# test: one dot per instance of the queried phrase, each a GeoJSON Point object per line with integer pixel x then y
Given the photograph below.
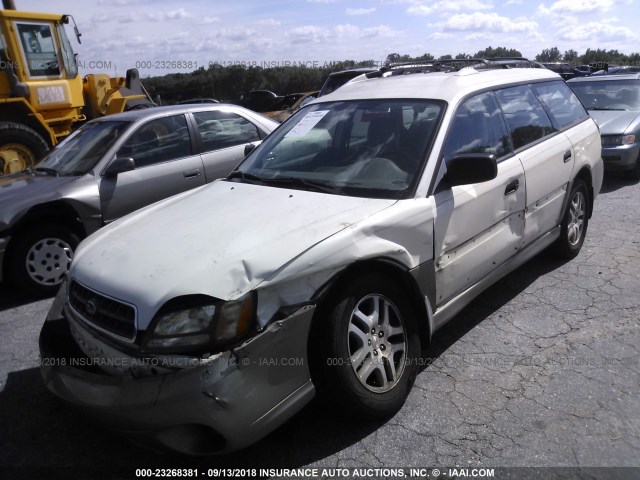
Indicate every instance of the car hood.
{"type": "Point", "coordinates": [21, 191]}
{"type": "Point", "coordinates": [220, 240]}
{"type": "Point", "coordinates": [614, 122]}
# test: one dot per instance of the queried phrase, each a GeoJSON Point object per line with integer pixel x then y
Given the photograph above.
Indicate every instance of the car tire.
{"type": "Point", "coordinates": [575, 221]}
{"type": "Point", "coordinates": [356, 348]}
{"type": "Point", "coordinates": [20, 147]}
{"type": "Point", "coordinates": [41, 258]}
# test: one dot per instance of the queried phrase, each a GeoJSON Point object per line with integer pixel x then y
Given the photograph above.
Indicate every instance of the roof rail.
{"type": "Point", "coordinates": [453, 65]}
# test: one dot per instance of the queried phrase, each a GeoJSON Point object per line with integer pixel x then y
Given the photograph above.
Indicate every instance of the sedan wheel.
{"type": "Point", "coordinates": [40, 258]}
{"type": "Point", "coordinates": [48, 261]}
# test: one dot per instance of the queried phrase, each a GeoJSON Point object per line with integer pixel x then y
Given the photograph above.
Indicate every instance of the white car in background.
{"type": "Point", "coordinates": [326, 259]}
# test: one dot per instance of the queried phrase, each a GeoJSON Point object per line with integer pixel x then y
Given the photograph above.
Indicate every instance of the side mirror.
{"type": "Point", "coordinates": [471, 168]}
{"type": "Point", "coordinates": [120, 165]}
{"type": "Point", "coordinates": [249, 148]}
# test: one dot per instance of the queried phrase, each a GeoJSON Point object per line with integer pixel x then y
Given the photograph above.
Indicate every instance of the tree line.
{"type": "Point", "coordinates": [232, 83]}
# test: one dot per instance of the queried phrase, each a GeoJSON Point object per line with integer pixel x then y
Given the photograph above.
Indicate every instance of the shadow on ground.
{"type": "Point", "coordinates": [40, 431]}
{"type": "Point", "coordinates": [11, 298]}
{"type": "Point", "coordinates": [616, 180]}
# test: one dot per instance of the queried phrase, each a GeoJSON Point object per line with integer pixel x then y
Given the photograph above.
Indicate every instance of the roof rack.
{"type": "Point", "coordinates": [453, 65]}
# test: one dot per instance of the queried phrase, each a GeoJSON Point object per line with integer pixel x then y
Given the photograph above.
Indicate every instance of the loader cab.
{"type": "Point", "coordinates": [45, 50]}
{"type": "Point", "coordinates": [36, 46]}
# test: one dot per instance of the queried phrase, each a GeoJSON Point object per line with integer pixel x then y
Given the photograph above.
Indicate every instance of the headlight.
{"type": "Point", "coordinates": [202, 327]}
{"type": "Point", "coordinates": [617, 140]}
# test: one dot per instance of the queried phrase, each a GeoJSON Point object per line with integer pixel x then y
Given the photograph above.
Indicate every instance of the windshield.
{"type": "Point", "coordinates": [80, 152]}
{"type": "Point", "coordinates": [372, 148]}
{"type": "Point", "coordinates": [68, 58]}
{"type": "Point", "coordinates": [609, 94]}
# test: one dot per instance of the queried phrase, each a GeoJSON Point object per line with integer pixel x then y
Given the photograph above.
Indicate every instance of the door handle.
{"type": "Point", "coordinates": [567, 156]}
{"type": "Point", "coordinates": [512, 187]}
{"type": "Point", "coordinates": [191, 173]}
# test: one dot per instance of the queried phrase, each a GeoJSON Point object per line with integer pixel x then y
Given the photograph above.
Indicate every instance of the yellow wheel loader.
{"type": "Point", "coordinates": [42, 96]}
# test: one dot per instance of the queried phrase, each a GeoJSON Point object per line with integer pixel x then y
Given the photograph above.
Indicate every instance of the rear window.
{"type": "Point", "coordinates": [560, 102]}
{"type": "Point", "coordinates": [526, 119]}
{"type": "Point", "coordinates": [219, 129]}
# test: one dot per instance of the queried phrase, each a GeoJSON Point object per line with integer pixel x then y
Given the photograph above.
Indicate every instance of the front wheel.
{"type": "Point", "coordinates": [575, 221]}
{"type": "Point", "coordinates": [41, 259]}
{"type": "Point", "coordinates": [366, 351]}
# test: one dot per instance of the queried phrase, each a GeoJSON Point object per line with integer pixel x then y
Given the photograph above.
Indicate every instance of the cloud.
{"type": "Point", "coordinates": [360, 11]}
{"type": "Point", "coordinates": [340, 33]}
{"type": "Point", "coordinates": [178, 14]}
{"type": "Point", "coordinates": [380, 31]}
{"type": "Point", "coordinates": [210, 20]}
{"type": "Point", "coordinates": [308, 34]}
{"type": "Point", "coordinates": [482, 22]}
{"type": "Point", "coordinates": [578, 6]}
{"type": "Point", "coordinates": [439, 36]}
{"type": "Point", "coordinates": [478, 36]}
{"type": "Point", "coordinates": [597, 31]}
{"type": "Point", "coordinates": [420, 8]}
{"type": "Point", "coordinates": [269, 22]}
{"type": "Point", "coordinates": [512, 2]}
{"type": "Point", "coordinates": [137, 16]}
{"type": "Point", "coordinates": [116, 18]}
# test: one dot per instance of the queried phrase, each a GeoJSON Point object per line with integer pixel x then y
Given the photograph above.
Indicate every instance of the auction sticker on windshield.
{"type": "Point", "coordinates": [309, 121]}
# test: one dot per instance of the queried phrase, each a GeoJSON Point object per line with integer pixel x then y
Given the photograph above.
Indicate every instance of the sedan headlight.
{"type": "Point", "coordinates": [204, 326]}
{"type": "Point", "coordinates": [617, 140]}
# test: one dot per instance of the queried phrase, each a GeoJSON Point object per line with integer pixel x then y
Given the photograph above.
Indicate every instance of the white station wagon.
{"type": "Point", "coordinates": [327, 259]}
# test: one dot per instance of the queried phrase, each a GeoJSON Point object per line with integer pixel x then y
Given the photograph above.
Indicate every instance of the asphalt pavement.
{"type": "Point", "coordinates": [542, 370]}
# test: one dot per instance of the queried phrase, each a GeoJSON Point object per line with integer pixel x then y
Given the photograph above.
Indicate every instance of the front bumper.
{"type": "Point", "coordinates": [619, 158]}
{"type": "Point", "coordinates": [215, 407]}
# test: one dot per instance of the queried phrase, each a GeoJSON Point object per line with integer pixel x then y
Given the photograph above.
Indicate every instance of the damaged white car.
{"type": "Point", "coordinates": [326, 260]}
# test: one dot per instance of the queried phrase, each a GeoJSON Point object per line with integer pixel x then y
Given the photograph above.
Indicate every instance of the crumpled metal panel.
{"type": "Point", "coordinates": [223, 240]}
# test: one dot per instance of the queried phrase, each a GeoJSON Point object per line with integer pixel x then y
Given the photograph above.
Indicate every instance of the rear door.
{"type": "Point", "coordinates": [163, 152]}
{"type": "Point", "coordinates": [478, 227]}
{"type": "Point", "coordinates": [546, 155]}
{"type": "Point", "coordinates": [223, 136]}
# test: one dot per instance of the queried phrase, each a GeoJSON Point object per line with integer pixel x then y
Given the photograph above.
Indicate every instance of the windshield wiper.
{"type": "Point", "coordinates": [48, 171]}
{"type": "Point", "coordinates": [300, 182]}
{"type": "Point", "coordinates": [601, 108]}
{"type": "Point", "coordinates": [283, 182]}
{"type": "Point", "coordinates": [250, 177]}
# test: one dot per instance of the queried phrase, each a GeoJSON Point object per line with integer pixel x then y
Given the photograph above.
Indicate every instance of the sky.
{"type": "Point", "coordinates": [161, 36]}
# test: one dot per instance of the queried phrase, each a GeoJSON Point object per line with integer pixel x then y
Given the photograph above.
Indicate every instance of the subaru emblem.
{"type": "Point", "coordinates": [91, 308]}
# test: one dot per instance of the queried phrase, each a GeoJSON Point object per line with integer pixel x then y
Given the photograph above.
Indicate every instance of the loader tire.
{"type": "Point", "coordinates": [21, 147]}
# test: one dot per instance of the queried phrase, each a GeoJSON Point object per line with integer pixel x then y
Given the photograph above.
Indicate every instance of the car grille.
{"type": "Point", "coordinates": [106, 313]}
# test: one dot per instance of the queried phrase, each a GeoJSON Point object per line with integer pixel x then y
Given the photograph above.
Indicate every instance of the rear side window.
{"type": "Point", "coordinates": [560, 102]}
{"type": "Point", "coordinates": [478, 127]}
{"type": "Point", "coordinates": [526, 119]}
{"type": "Point", "coordinates": [224, 129]}
{"type": "Point", "coordinates": [158, 141]}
